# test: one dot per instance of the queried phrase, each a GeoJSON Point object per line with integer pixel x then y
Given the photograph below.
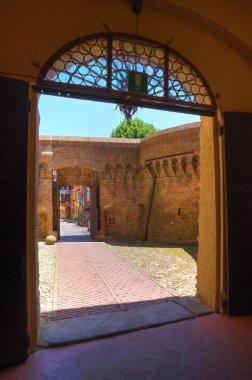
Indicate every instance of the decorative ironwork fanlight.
{"type": "Point", "coordinates": [98, 67]}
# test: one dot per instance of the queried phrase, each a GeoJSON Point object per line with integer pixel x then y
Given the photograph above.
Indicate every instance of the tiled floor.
{"type": "Point", "coordinates": [213, 347]}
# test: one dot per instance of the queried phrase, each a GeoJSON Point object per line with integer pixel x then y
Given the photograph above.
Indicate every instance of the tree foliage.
{"type": "Point", "coordinates": [135, 129]}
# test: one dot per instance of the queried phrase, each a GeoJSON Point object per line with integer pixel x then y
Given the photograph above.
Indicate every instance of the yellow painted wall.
{"type": "Point", "coordinates": [214, 35]}
{"type": "Point", "coordinates": [34, 30]}
{"type": "Point", "coordinates": [209, 247]}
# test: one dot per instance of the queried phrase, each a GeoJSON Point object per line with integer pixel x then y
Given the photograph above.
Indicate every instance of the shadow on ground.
{"type": "Point", "coordinates": [76, 239]}
{"type": "Point", "coordinates": [101, 321]}
{"type": "Point", "coordinates": [71, 232]}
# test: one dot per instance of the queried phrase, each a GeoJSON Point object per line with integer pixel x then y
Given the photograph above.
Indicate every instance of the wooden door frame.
{"type": "Point", "coordinates": [32, 217]}
{"type": "Point", "coordinates": [32, 246]}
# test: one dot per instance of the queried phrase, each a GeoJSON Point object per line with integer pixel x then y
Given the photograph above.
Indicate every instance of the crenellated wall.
{"type": "Point", "coordinates": [173, 155]}
{"type": "Point", "coordinates": [147, 189]}
{"type": "Point", "coordinates": [175, 207]}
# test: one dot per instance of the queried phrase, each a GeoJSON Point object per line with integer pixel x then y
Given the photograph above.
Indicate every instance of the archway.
{"type": "Point", "coordinates": [102, 67]}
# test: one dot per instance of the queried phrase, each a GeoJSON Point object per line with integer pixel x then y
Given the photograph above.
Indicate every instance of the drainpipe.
{"type": "Point", "coordinates": [151, 202]}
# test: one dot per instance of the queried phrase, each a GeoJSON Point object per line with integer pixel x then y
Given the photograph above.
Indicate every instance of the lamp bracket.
{"type": "Point", "coordinates": [137, 6]}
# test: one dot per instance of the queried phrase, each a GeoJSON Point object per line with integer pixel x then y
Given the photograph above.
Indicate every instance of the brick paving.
{"type": "Point", "coordinates": [173, 268]}
{"type": "Point", "coordinates": [91, 279]}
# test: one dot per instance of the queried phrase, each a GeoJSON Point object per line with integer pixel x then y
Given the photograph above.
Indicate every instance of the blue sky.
{"type": "Point", "coordinates": [72, 117]}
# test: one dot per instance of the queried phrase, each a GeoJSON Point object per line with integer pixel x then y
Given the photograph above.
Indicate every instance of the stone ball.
{"type": "Point", "coordinates": [50, 240]}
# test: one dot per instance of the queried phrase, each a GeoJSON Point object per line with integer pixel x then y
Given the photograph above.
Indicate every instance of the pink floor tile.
{"type": "Point", "coordinates": [147, 355]}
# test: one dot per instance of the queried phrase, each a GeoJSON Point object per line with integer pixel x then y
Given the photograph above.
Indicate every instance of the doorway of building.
{"type": "Point", "coordinates": [74, 211]}
{"type": "Point", "coordinates": [186, 90]}
{"type": "Point", "coordinates": [143, 228]}
{"type": "Point", "coordinates": [74, 204]}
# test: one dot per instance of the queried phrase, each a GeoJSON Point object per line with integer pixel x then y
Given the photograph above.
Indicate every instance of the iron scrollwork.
{"type": "Point", "coordinates": [99, 65]}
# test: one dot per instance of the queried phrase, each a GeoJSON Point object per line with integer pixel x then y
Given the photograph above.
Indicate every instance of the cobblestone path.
{"type": "Point", "coordinates": [173, 267]}
{"type": "Point", "coordinates": [47, 265]}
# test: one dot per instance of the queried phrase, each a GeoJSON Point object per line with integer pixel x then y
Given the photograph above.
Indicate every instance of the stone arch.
{"type": "Point", "coordinates": [114, 65]}
{"type": "Point", "coordinates": [77, 175]}
{"type": "Point", "coordinates": [90, 162]}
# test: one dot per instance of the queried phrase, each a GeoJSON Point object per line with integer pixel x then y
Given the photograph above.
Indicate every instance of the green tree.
{"type": "Point", "coordinates": [135, 129]}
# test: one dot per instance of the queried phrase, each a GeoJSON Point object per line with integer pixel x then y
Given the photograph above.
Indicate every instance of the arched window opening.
{"type": "Point", "coordinates": [102, 67]}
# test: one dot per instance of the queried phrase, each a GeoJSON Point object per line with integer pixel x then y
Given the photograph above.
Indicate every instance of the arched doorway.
{"type": "Point", "coordinates": [128, 70]}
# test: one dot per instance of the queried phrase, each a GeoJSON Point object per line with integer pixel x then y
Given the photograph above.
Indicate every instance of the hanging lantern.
{"type": "Point", "coordinates": [127, 111]}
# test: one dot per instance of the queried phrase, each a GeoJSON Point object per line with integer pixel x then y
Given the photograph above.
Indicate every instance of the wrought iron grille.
{"type": "Point", "coordinates": [140, 56]}
{"type": "Point", "coordinates": [84, 64]}
{"type": "Point", "coordinates": [185, 84]}
{"type": "Point", "coordinates": [99, 65]}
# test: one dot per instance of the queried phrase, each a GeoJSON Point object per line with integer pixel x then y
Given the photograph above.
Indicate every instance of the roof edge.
{"type": "Point", "coordinates": [173, 130]}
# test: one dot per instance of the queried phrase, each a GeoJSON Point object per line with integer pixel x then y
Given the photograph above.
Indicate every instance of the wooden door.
{"type": "Point", "coordinates": [238, 168]}
{"type": "Point", "coordinates": [14, 110]}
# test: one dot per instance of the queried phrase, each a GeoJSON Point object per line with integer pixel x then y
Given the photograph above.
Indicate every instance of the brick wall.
{"type": "Point", "coordinates": [175, 209]}
{"type": "Point", "coordinates": [86, 152]}
{"type": "Point", "coordinates": [173, 156]}
{"type": "Point", "coordinates": [125, 204]}
{"type": "Point", "coordinates": [45, 206]}
{"type": "Point", "coordinates": [147, 188]}
{"type": "Point", "coordinates": [170, 142]}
